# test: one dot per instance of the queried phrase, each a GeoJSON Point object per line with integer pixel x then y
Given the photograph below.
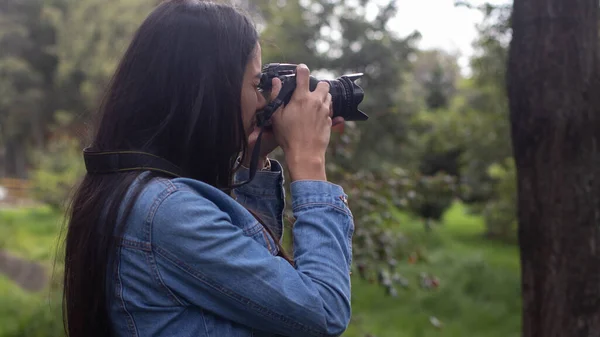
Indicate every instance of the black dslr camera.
{"type": "Point", "coordinates": [346, 95]}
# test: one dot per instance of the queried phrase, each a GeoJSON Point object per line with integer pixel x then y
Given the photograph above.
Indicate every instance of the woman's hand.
{"type": "Point", "coordinates": [303, 128]}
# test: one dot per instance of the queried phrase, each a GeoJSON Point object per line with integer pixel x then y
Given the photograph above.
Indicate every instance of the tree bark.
{"type": "Point", "coordinates": [554, 90]}
{"type": "Point", "coordinates": [15, 159]}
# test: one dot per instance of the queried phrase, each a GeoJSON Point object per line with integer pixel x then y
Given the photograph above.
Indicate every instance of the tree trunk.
{"type": "Point", "coordinates": [15, 159]}
{"type": "Point", "coordinates": [554, 90]}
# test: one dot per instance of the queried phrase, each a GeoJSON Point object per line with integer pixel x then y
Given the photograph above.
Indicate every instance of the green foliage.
{"type": "Point", "coordinates": [501, 213]}
{"type": "Point", "coordinates": [92, 36]}
{"type": "Point", "coordinates": [27, 66]}
{"type": "Point", "coordinates": [372, 196]}
{"type": "Point", "coordinates": [432, 137]}
{"type": "Point", "coordinates": [31, 233]}
{"type": "Point", "coordinates": [428, 149]}
{"type": "Point", "coordinates": [471, 135]}
{"type": "Point", "coordinates": [58, 171]}
{"type": "Point", "coordinates": [489, 174]}
{"type": "Point", "coordinates": [335, 38]}
{"type": "Point", "coordinates": [57, 55]}
{"type": "Point", "coordinates": [485, 95]}
{"type": "Point", "coordinates": [29, 315]}
{"type": "Point", "coordinates": [478, 292]}
{"type": "Point", "coordinates": [469, 143]}
{"type": "Point", "coordinates": [435, 97]}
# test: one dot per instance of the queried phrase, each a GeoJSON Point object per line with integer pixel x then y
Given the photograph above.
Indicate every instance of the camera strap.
{"type": "Point", "coordinates": [99, 162]}
{"type": "Point", "coordinates": [263, 119]}
{"type": "Point", "coordinates": [253, 160]}
{"type": "Point", "coordinates": [104, 162]}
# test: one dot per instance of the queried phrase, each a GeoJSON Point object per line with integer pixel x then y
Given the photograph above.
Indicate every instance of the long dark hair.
{"type": "Point", "coordinates": [176, 94]}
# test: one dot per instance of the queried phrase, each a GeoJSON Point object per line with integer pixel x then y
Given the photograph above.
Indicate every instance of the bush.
{"type": "Point", "coordinates": [32, 317]}
{"type": "Point", "coordinates": [32, 314]}
{"type": "Point", "coordinates": [57, 171]}
{"type": "Point", "coordinates": [374, 196]}
{"type": "Point", "coordinates": [500, 214]}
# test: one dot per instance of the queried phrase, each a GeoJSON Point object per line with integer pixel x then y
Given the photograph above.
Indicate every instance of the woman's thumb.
{"type": "Point", "coordinates": [275, 87]}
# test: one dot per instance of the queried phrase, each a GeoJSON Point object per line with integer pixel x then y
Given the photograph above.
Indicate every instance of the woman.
{"type": "Point", "coordinates": [148, 254]}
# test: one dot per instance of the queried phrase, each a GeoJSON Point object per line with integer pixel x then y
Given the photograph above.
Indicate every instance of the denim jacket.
{"type": "Point", "coordinates": [194, 262]}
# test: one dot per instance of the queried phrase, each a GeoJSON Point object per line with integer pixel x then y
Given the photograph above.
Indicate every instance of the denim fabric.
{"type": "Point", "coordinates": [194, 262]}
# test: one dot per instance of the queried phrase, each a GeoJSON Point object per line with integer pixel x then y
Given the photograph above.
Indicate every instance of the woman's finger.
{"type": "Point", "coordinates": [275, 87]}
{"type": "Point", "coordinates": [338, 120]}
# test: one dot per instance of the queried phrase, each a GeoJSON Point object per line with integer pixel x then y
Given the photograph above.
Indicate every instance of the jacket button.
{"type": "Point", "coordinates": [344, 199]}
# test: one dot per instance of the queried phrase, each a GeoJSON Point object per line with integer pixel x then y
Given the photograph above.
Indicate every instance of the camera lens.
{"type": "Point", "coordinates": [346, 97]}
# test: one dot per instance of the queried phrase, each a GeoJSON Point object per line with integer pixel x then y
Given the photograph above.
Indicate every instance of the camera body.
{"type": "Point", "coordinates": [346, 95]}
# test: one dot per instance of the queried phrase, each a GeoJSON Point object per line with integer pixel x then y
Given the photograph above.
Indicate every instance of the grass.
{"type": "Point", "coordinates": [478, 296]}
{"type": "Point", "coordinates": [30, 234]}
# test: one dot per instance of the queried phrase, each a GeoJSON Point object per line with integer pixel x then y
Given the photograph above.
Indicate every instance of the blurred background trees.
{"type": "Point", "coordinates": [437, 140]}
{"type": "Point", "coordinates": [447, 130]}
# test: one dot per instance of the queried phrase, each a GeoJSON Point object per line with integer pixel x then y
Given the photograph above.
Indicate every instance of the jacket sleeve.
{"type": "Point", "coordinates": [264, 195]}
{"type": "Point", "coordinates": [208, 261]}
